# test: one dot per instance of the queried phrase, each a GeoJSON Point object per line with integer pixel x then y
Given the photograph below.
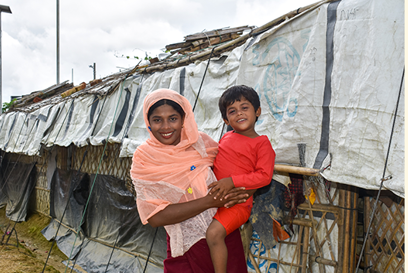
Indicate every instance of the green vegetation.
{"type": "Point", "coordinates": [7, 105]}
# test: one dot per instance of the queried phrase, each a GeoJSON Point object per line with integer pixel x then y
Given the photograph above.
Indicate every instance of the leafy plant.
{"type": "Point", "coordinates": [7, 105]}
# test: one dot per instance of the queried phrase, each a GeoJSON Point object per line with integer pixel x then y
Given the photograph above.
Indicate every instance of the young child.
{"type": "Point", "coordinates": [245, 159]}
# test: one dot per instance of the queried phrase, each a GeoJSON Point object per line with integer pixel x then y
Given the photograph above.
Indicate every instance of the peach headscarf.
{"type": "Point", "coordinates": [168, 174]}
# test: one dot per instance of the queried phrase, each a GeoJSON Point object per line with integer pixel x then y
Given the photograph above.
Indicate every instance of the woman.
{"type": "Point", "coordinates": [171, 172]}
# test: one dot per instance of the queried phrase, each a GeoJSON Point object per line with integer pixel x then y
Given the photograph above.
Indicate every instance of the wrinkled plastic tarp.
{"type": "Point", "coordinates": [328, 78]}
{"type": "Point", "coordinates": [111, 219]}
{"type": "Point", "coordinates": [17, 183]}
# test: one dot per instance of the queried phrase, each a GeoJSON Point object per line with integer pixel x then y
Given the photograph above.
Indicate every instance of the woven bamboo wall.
{"type": "Point", "coordinates": [41, 193]}
{"type": "Point", "coordinates": [108, 164]}
{"type": "Point", "coordinates": [384, 251]}
{"type": "Point", "coordinates": [330, 243]}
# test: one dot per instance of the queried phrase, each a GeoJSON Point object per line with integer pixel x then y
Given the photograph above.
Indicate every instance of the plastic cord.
{"type": "Point", "coordinates": [66, 206]}
{"type": "Point", "coordinates": [40, 170]}
{"type": "Point", "coordinates": [109, 173]}
{"type": "Point", "coordinates": [96, 175]}
{"type": "Point", "coordinates": [202, 80]}
{"type": "Point", "coordinates": [382, 180]}
{"type": "Point", "coordinates": [150, 251]}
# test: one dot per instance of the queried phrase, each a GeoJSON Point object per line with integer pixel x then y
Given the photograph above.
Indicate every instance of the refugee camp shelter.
{"type": "Point", "coordinates": [330, 77]}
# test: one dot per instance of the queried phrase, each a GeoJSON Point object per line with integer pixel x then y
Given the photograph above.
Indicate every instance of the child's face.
{"type": "Point", "coordinates": [241, 115]}
{"type": "Point", "coordinates": [166, 124]}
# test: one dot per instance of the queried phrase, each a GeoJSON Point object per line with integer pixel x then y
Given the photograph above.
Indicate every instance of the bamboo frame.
{"type": "Point", "coordinates": [232, 44]}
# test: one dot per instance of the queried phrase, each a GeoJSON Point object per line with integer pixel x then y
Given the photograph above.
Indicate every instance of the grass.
{"type": "Point", "coordinates": [32, 250]}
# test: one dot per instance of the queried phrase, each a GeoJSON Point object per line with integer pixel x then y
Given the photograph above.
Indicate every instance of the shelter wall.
{"type": "Point", "coordinates": [40, 198]}
{"type": "Point", "coordinates": [341, 213]}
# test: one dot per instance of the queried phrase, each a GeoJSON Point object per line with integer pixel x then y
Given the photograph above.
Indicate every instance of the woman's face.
{"type": "Point", "coordinates": [166, 124]}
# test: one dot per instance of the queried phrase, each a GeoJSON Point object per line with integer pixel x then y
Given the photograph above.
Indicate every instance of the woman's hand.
{"type": "Point", "coordinates": [237, 196]}
{"type": "Point", "coordinates": [233, 197]}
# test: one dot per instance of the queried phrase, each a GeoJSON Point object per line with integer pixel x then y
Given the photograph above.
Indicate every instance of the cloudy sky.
{"type": "Point", "coordinates": [101, 32]}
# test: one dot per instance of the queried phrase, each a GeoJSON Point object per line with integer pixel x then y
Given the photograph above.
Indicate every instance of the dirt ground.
{"type": "Point", "coordinates": [33, 248]}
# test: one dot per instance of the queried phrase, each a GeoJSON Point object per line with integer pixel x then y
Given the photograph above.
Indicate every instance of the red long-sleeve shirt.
{"type": "Point", "coordinates": [248, 161]}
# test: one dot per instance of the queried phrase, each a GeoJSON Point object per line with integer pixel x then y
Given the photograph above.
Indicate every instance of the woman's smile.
{"type": "Point", "coordinates": [167, 135]}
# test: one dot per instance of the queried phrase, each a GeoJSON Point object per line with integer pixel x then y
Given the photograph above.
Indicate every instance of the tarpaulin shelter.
{"type": "Point", "coordinates": [330, 79]}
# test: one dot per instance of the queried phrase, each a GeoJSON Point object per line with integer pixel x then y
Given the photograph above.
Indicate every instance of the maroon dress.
{"type": "Point", "coordinates": [198, 260]}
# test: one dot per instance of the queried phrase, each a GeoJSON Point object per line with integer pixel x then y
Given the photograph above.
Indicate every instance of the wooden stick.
{"type": "Point", "coordinates": [341, 230]}
{"type": "Point", "coordinates": [299, 221]}
{"type": "Point", "coordinates": [215, 33]}
{"type": "Point", "coordinates": [296, 170]}
{"type": "Point", "coordinates": [353, 243]}
{"type": "Point", "coordinates": [328, 232]}
{"type": "Point", "coordinates": [324, 261]}
{"type": "Point", "coordinates": [42, 189]}
{"type": "Point", "coordinates": [316, 242]}
{"type": "Point", "coordinates": [305, 251]}
{"type": "Point", "coordinates": [256, 266]}
{"type": "Point", "coordinates": [297, 249]}
{"type": "Point", "coordinates": [346, 242]}
{"type": "Point", "coordinates": [279, 251]}
{"type": "Point", "coordinates": [321, 207]}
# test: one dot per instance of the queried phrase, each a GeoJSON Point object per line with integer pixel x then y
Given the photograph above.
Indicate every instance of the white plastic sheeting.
{"type": "Point", "coordinates": [328, 78]}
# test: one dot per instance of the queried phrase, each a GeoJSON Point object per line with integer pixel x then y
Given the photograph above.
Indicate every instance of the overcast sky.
{"type": "Point", "coordinates": [101, 31]}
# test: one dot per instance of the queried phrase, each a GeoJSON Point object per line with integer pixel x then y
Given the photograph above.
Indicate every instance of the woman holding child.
{"type": "Point", "coordinates": [171, 173]}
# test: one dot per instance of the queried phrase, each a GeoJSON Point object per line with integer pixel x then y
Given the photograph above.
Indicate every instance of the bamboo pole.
{"type": "Point", "coordinates": [316, 242]}
{"type": "Point", "coordinates": [296, 170]}
{"type": "Point", "coordinates": [299, 221]}
{"type": "Point", "coordinates": [305, 251]}
{"type": "Point", "coordinates": [367, 212]}
{"type": "Point", "coordinates": [327, 237]}
{"type": "Point", "coordinates": [251, 257]}
{"type": "Point", "coordinates": [299, 254]}
{"type": "Point", "coordinates": [321, 207]}
{"type": "Point", "coordinates": [42, 189]}
{"type": "Point", "coordinates": [341, 230]}
{"type": "Point", "coordinates": [346, 245]}
{"type": "Point", "coordinates": [324, 261]}
{"type": "Point", "coordinates": [297, 249]}
{"type": "Point", "coordinates": [353, 243]}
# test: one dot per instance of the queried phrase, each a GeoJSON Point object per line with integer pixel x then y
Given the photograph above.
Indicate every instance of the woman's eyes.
{"type": "Point", "coordinates": [157, 120]}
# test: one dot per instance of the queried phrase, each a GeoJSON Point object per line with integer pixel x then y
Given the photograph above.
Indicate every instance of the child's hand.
{"type": "Point", "coordinates": [221, 187]}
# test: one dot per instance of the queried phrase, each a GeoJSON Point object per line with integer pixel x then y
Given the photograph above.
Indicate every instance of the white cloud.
{"type": "Point", "coordinates": [94, 31]}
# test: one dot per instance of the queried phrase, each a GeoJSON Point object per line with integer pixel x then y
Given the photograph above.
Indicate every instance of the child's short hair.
{"type": "Point", "coordinates": [235, 93]}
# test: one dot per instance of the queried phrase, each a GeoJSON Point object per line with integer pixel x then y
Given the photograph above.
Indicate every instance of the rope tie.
{"type": "Point", "coordinates": [208, 39]}
{"type": "Point", "coordinates": [202, 80]}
